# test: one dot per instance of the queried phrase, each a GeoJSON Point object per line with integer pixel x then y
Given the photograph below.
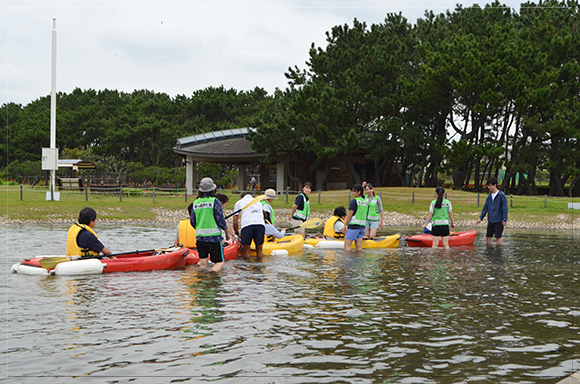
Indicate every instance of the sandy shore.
{"type": "Point", "coordinates": [465, 220]}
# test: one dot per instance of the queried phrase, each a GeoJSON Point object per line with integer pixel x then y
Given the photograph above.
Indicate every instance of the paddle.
{"type": "Point", "coordinates": [51, 262]}
{"type": "Point", "coordinates": [252, 202]}
{"type": "Point", "coordinates": [308, 224]}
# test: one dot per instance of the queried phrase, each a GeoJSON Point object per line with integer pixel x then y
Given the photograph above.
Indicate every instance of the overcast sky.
{"type": "Point", "coordinates": [174, 46]}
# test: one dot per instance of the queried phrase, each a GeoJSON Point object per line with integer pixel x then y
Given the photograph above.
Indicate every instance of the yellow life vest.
{"type": "Point", "coordinates": [329, 228]}
{"type": "Point", "coordinates": [72, 248]}
{"type": "Point", "coordinates": [187, 234]}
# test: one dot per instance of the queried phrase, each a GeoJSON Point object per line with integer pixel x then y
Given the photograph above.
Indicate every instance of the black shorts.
{"type": "Point", "coordinates": [494, 229]}
{"type": "Point", "coordinates": [215, 251]}
{"type": "Point", "coordinates": [440, 230]}
{"type": "Point", "coordinates": [254, 232]}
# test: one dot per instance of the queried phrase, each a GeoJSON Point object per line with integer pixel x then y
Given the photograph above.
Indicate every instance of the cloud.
{"type": "Point", "coordinates": [173, 46]}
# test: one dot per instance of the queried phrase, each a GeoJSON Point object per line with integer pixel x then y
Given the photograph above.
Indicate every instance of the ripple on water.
{"type": "Point", "coordinates": [402, 315]}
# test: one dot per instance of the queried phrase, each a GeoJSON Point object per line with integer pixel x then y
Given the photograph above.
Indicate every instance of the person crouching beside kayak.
{"type": "Point", "coordinates": [356, 219]}
{"type": "Point", "coordinates": [82, 240]}
{"type": "Point", "coordinates": [441, 213]}
{"type": "Point", "coordinates": [333, 226]}
{"type": "Point", "coordinates": [207, 218]}
{"type": "Point", "coordinates": [185, 236]}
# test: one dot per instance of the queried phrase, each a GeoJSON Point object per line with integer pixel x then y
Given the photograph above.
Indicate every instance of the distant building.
{"type": "Point", "coordinates": [231, 147]}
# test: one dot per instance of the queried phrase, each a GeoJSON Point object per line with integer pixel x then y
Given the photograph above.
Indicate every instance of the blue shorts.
{"type": "Point", "coordinates": [494, 229]}
{"type": "Point", "coordinates": [254, 232]}
{"type": "Point", "coordinates": [354, 234]}
{"type": "Point", "coordinates": [372, 224]}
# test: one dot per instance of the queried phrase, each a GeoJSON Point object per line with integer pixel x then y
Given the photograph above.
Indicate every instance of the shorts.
{"type": "Point", "coordinates": [215, 251]}
{"type": "Point", "coordinates": [254, 232]}
{"type": "Point", "coordinates": [494, 229]}
{"type": "Point", "coordinates": [296, 223]}
{"type": "Point", "coordinates": [440, 230]}
{"type": "Point", "coordinates": [372, 224]}
{"type": "Point", "coordinates": [354, 234]}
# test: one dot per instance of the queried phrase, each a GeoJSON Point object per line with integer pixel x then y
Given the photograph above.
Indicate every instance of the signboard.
{"type": "Point", "coordinates": [49, 159]}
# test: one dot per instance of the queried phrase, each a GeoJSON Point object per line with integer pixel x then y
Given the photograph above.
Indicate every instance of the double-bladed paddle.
{"type": "Point", "coordinates": [252, 202]}
{"type": "Point", "coordinates": [308, 224]}
{"type": "Point", "coordinates": [51, 262]}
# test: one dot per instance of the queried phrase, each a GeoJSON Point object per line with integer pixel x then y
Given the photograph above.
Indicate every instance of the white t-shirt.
{"type": "Point", "coordinates": [251, 215]}
{"type": "Point", "coordinates": [493, 195]}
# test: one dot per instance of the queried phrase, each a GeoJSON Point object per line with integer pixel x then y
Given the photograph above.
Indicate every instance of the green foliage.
{"type": "Point", "coordinates": [468, 92]}
{"type": "Point", "coordinates": [18, 170]}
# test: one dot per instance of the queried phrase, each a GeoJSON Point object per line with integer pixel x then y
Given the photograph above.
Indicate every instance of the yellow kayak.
{"type": "Point", "coordinates": [391, 241]}
{"type": "Point", "coordinates": [290, 244]}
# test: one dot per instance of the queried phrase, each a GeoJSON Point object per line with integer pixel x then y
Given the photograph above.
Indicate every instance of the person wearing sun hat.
{"type": "Point", "coordinates": [208, 219]}
{"type": "Point", "coordinates": [267, 207]}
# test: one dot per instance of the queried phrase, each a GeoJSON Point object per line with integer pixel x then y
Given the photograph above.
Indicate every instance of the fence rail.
{"type": "Point", "coordinates": [385, 193]}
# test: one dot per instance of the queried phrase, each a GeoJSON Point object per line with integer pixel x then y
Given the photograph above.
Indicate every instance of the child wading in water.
{"type": "Point", "coordinates": [441, 213]}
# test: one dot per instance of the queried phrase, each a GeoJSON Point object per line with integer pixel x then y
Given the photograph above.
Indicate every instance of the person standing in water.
{"type": "Point", "coordinates": [300, 211]}
{"type": "Point", "coordinates": [207, 218]}
{"type": "Point", "coordinates": [441, 213]}
{"type": "Point", "coordinates": [496, 208]}
{"type": "Point", "coordinates": [356, 219]}
{"type": "Point", "coordinates": [375, 214]}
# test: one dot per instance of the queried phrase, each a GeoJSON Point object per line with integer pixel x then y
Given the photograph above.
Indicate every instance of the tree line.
{"type": "Point", "coordinates": [466, 93]}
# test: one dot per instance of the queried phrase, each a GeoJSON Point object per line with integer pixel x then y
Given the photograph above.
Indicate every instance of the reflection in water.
{"type": "Point", "coordinates": [399, 315]}
{"type": "Point", "coordinates": [204, 287]}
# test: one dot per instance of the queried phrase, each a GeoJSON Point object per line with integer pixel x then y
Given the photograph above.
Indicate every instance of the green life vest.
{"type": "Point", "coordinates": [269, 209]}
{"type": "Point", "coordinates": [441, 215]}
{"type": "Point", "coordinates": [360, 216]}
{"type": "Point", "coordinates": [205, 224]}
{"type": "Point", "coordinates": [373, 215]}
{"type": "Point", "coordinates": [304, 213]}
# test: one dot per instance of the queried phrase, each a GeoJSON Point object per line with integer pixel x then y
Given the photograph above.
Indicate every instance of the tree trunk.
{"type": "Point", "coordinates": [572, 185]}
{"type": "Point", "coordinates": [556, 188]}
{"type": "Point", "coordinates": [354, 176]}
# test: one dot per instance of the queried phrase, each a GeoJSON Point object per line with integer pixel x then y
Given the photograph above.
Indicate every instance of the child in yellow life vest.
{"type": "Point", "coordinates": [185, 235]}
{"type": "Point", "coordinates": [82, 239]}
{"type": "Point", "coordinates": [334, 225]}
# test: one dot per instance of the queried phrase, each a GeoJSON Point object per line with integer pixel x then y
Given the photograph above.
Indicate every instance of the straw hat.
{"type": "Point", "coordinates": [270, 194]}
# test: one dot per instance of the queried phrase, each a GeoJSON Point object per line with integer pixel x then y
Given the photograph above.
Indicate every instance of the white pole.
{"type": "Point", "coordinates": [53, 107]}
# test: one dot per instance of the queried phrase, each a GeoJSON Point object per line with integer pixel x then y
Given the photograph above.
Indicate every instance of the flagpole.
{"type": "Point", "coordinates": [53, 109]}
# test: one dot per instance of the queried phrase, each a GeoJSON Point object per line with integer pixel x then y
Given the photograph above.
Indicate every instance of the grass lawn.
{"type": "Point", "coordinates": [140, 205]}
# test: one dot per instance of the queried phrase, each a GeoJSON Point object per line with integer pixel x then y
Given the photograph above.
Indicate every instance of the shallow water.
{"type": "Point", "coordinates": [403, 315]}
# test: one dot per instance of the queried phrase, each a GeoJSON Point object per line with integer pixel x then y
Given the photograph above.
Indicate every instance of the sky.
{"type": "Point", "coordinates": [175, 46]}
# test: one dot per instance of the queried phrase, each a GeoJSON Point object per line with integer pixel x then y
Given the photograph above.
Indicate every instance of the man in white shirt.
{"type": "Point", "coordinates": [252, 225]}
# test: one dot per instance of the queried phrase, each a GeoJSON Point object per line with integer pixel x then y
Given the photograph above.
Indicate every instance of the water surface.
{"type": "Point", "coordinates": [403, 315]}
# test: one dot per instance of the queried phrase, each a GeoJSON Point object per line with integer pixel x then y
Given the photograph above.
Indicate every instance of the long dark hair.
{"type": "Point", "coordinates": [440, 191]}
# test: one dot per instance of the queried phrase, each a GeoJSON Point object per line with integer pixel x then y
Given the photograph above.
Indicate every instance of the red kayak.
{"type": "Point", "coordinates": [455, 239]}
{"type": "Point", "coordinates": [230, 252]}
{"type": "Point", "coordinates": [169, 258]}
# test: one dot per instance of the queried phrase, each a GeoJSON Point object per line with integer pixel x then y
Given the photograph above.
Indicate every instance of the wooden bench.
{"type": "Point", "coordinates": [70, 183]}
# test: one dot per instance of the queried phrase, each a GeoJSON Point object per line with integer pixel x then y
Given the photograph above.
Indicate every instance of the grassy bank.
{"type": "Point", "coordinates": [410, 205]}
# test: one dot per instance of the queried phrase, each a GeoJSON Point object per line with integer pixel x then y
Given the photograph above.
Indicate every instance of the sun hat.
{"type": "Point", "coordinates": [206, 185]}
{"type": "Point", "coordinates": [270, 194]}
